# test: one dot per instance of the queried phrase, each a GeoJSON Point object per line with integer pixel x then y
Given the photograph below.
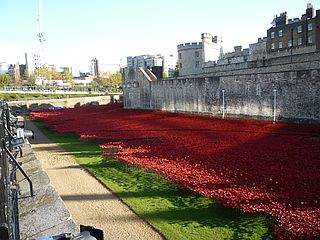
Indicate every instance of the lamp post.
{"type": "Point", "coordinates": [274, 105]}
{"type": "Point", "coordinates": [291, 39]}
{"type": "Point", "coordinates": [223, 112]}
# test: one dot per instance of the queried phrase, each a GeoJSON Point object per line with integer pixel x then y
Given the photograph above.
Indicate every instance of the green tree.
{"type": "Point", "coordinates": [176, 73]}
{"type": "Point", "coordinates": [42, 72]}
{"type": "Point", "coordinates": [55, 75]}
{"type": "Point", "coordinates": [4, 80]}
{"type": "Point", "coordinates": [109, 81]}
{"type": "Point", "coordinates": [164, 75]}
{"type": "Point", "coordinates": [51, 74]}
{"type": "Point", "coordinates": [93, 86]}
{"type": "Point", "coordinates": [115, 80]}
{"type": "Point", "coordinates": [32, 80]}
{"type": "Point", "coordinates": [25, 76]}
{"type": "Point", "coordinates": [66, 75]}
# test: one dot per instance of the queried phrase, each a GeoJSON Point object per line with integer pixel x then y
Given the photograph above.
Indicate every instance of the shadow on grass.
{"type": "Point", "coordinates": [168, 202]}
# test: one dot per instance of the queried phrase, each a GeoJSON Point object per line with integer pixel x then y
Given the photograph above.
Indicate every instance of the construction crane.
{"type": "Point", "coordinates": [40, 35]}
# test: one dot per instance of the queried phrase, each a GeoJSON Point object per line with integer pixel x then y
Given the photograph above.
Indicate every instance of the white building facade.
{"type": "Point", "coordinates": [168, 63]}
{"type": "Point", "coordinates": [33, 61]}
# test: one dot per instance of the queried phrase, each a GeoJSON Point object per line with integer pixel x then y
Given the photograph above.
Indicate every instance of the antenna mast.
{"type": "Point", "coordinates": [41, 38]}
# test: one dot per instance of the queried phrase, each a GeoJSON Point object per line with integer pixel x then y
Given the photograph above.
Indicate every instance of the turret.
{"type": "Point", "coordinates": [211, 47]}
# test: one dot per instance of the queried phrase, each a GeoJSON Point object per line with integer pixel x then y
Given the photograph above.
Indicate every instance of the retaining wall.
{"type": "Point", "coordinates": [42, 104]}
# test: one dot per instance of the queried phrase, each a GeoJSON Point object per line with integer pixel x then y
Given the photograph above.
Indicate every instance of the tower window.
{"type": "Point", "coordinates": [272, 34]}
{"type": "Point", "coordinates": [272, 45]}
{"type": "Point", "coordinates": [309, 26]}
{"type": "Point", "coordinates": [280, 33]}
{"type": "Point", "coordinates": [299, 29]}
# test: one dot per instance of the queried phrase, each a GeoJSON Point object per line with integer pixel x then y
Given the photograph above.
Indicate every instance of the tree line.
{"type": "Point", "coordinates": [106, 80]}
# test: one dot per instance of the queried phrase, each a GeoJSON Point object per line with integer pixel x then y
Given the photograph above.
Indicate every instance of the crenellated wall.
{"type": "Point", "coordinates": [247, 91]}
{"type": "Point", "coordinates": [193, 45]}
{"type": "Point", "coordinates": [190, 58]}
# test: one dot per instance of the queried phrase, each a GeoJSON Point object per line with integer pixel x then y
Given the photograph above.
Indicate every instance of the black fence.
{"type": "Point", "coordinates": [11, 142]}
{"type": "Point", "coordinates": [12, 138]}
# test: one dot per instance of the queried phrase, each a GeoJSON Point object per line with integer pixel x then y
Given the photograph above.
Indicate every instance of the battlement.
{"type": "Point", "coordinates": [206, 35]}
{"type": "Point", "coordinates": [193, 45]}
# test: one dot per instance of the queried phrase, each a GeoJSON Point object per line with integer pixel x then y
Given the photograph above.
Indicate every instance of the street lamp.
{"type": "Point", "coordinates": [274, 105]}
{"type": "Point", "coordinates": [291, 39]}
{"type": "Point", "coordinates": [223, 112]}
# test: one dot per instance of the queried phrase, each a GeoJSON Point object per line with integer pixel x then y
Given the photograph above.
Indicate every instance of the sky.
{"type": "Point", "coordinates": [76, 31]}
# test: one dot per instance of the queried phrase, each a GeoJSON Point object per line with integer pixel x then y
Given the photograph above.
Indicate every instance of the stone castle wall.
{"type": "Point", "coordinates": [248, 91]}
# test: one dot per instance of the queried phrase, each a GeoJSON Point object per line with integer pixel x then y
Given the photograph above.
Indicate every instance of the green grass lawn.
{"type": "Point", "coordinates": [176, 213]}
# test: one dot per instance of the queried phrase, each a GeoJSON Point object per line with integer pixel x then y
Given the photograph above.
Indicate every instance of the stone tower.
{"type": "Point", "coordinates": [211, 47]}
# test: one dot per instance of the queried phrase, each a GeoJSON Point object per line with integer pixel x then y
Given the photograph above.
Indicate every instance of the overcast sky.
{"type": "Point", "coordinates": [77, 31]}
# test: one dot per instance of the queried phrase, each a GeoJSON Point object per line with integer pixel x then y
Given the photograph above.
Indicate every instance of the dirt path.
{"type": "Point", "coordinates": [88, 201]}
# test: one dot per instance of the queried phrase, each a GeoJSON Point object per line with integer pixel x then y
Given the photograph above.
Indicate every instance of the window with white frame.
{"type": "Point", "coordinates": [280, 44]}
{"type": "Point", "coordinates": [299, 41]}
{"type": "Point", "coordinates": [272, 46]}
{"type": "Point", "coordinates": [280, 33]}
{"type": "Point", "coordinates": [299, 29]}
{"type": "Point", "coordinates": [290, 43]}
{"type": "Point", "coordinates": [309, 26]}
{"type": "Point", "coordinates": [272, 34]}
{"type": "Point", "coordinates": [310, 39]}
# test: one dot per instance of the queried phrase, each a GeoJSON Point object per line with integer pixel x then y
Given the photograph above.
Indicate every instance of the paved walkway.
{"type": "Point", "coordinates": [88, 201]}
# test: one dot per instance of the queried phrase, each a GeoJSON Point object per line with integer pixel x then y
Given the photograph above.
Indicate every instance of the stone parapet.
{"type": "Point", "coordinates": [45, 213]}
{"type": "Point", "coordinates": [43, 104]}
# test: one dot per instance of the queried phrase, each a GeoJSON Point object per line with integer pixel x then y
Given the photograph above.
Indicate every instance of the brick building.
{"type": "Point", "coordinates": [295, 33]}
{"type": "Point", "coordinates": [16, 72]}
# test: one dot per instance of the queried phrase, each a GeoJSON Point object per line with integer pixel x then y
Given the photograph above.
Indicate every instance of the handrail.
{"type": "Point", "coordinates": [19, 166]}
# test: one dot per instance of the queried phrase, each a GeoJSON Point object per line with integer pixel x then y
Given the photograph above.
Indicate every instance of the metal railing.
{"type": "Point", "coordinates": [11, 141]}
{"type": "Point", "coordinates": [12, 135]}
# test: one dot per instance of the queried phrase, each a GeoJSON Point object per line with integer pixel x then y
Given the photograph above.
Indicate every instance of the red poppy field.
{"type": "Point", "coordinates": [253, 165]}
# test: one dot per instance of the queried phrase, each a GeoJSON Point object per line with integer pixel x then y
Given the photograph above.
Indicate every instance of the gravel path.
{"type": "Point", "coordinates": [88, 201]}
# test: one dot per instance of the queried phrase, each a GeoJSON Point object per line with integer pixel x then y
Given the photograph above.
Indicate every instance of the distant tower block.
{"type": "Point", "coordinates": [95, 68]}
{"type": "Point", "coordinates": [212, 47]}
